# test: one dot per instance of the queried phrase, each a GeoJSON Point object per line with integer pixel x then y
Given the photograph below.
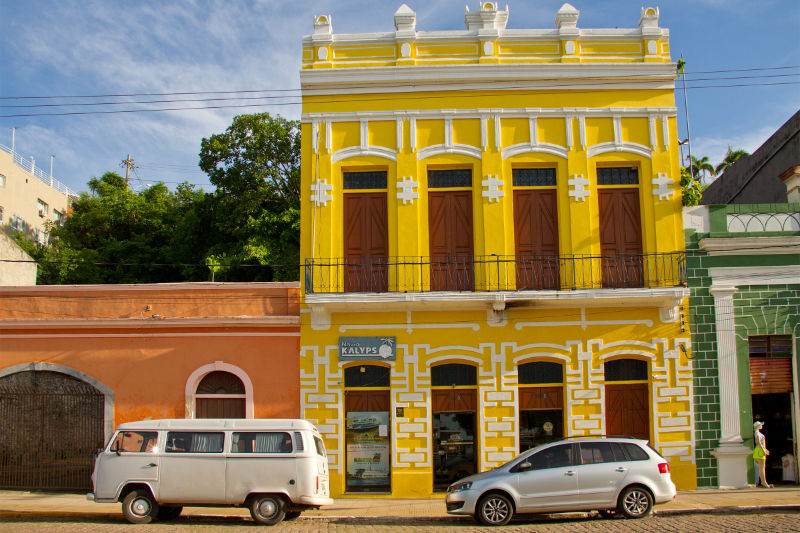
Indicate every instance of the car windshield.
{"type": "Point", "coordinates": [515, 459]}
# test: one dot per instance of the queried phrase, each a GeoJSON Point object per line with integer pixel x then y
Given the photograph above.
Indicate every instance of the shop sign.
{"type": "Point", "coordinates": [365, 348]}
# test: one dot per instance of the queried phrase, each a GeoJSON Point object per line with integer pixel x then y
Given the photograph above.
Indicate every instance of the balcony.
{"type": "Point", "coordinates": [493, 273]}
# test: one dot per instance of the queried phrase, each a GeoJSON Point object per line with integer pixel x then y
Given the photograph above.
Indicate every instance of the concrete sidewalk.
{"type": "Point", "coordinates": [22, 504]}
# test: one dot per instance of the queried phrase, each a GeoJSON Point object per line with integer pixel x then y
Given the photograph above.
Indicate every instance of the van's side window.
{"type": "Point", "coordinates": [194, 442]}
{"type": "Point", "coordinates": [262, 442]}
{"type": "Point", "coordinates": [134, 441]}
{"type": "Point", "coordinates": [320, 446]}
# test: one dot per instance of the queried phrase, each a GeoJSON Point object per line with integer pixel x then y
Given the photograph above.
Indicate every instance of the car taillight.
{"type": "Point", "coordinates": [317, 484]}
{"type": "Point", "coordinates": [663, 468]}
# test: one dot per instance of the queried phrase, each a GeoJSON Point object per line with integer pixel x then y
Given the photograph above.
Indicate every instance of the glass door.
{"type": "Point", "coordinates": [453, 447]}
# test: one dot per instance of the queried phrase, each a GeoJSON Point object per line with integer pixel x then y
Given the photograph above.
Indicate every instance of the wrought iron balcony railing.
{"type": "Point", "coordinates": [493, 273]}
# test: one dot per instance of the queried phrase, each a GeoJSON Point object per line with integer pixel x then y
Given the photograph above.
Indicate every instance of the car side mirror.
{"type": "Point", "coordinates": [524, 466]}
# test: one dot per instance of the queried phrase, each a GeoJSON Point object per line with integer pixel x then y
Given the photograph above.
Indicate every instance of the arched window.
{"type": "Point", "coordinates": [220, 395]}
{"type": "Point", "coordinates": [366, 376]}
{"type": "Point", "coordinates": [454, 375]}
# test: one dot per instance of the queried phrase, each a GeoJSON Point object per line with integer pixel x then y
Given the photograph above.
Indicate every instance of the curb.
{"type": "Point", "coordinates": [5, 514]}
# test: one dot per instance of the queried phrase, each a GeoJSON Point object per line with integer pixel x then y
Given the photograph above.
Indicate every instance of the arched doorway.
{"type": "Point", "coordinates": [627, 398]}
{"type": "Point", "coordinates": [454, 398]}
{"type": "Point", "coordinates": [541, 403]}
{"type": "Point", "coordinates": [367, 440]}
{"type": "Point", "coordinates": [51, 425]}
{"type": "Point", "coordinates": [220, 394]}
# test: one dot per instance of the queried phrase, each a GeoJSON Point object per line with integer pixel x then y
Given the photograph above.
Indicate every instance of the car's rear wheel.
{"type": "Point", "coordinates": [139, 507]}
{"type": "Point", "coordinates": [635, 502]}
{"type": "Point", "coordinates": [267, 509]}
{"type": "Point", "coordinates": [495, 510]}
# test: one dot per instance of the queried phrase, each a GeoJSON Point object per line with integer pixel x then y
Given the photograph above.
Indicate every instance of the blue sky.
{"type": "Point", "coordinates": [71, 47]}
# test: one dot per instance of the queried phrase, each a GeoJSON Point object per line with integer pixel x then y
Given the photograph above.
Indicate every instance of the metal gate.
{"type": "Point", "coordinates": [50, 428]}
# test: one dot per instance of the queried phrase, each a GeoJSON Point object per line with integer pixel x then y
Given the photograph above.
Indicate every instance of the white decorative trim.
{"type": "Point", "coordinates": [633, 148]}
{"type": "Point", "coordinates": [752, 246]}
{"type": "Point", "coordinates": [617, 121]}
{"type": "Point", "coordinates": [757, 275]}
{"type": "Point", "coordinates": [498, 141]}
{"type": "Point", "coordinates": [488, 48]}
{"type": "Point", "coordinates": [726, 364]}
{"type": "Point", "coordinates": [413, 134]}
{"type": "Point", "coordinates": [493, 188]}
{"type": "Point", "coordinates": [653, 138]}
{"type": "Point", "coordinates": [760, 222]}
{"type": "Point", "coordinates": [661, 186]}
{"type": "Point", "coordinates": [569, 48]}
{"type": "Point", "coordinates": [526, 148]}
{"type": "Point", "coordinates": [406, 192]}
{"type": "Point", "coordinates": [319, 192]}
{"type": "Point", "coordinates": [439, 149]}
{"type": "Point", "coordinates": [579, 184]}
{"type": "Point", "coordinates": [405, 50]}
{"type": "Point", "coordinates": [533, 130]}
{"type": "Point", "coordinates": [196, 376]}
{"type": "Point", "coordinates": [484, 133]}
{"type": "Point", "coordinates": [665, 130]}
{"type": "Point", "coordinates": [448, 132]}
{"type": "Point", "coordinates": [314, 135]}
{"type": "Point", "coordinates": [356, 151]}
{"type": "Point", "coordinates": [108, 392]}
{"type": "Point", "coordinates": [582, 130]}
{"type": "Point", "coordinates": [568, 123]}
{"type": "Point", "coordinates": [399, 134]}
{"type": "Point", "coordinates": [364, 133]}
{"type": "Point", "coordinates": [328, 136]}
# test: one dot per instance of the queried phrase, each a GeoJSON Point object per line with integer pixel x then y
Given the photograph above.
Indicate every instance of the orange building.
{"type": "Point", "coordinates": [75, 361]}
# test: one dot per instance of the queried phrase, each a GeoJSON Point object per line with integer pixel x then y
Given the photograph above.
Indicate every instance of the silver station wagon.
{"type": "Point", "coordinates": [607, 474]}
{"type": "Point", "coordinates": [275, 468]}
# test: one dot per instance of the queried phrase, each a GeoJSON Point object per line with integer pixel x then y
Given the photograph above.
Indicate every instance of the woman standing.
{"type": "Point", "coordinates": [760, 453]}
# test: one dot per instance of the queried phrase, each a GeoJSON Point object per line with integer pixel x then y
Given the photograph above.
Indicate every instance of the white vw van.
{"type": "Point", "coordinates": [276, 468]}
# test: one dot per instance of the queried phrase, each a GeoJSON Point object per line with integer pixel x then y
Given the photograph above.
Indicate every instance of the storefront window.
{"type": "Point", "coordinates": [367, 438]}
{"type": "Point", "coordinates": [541, 401]}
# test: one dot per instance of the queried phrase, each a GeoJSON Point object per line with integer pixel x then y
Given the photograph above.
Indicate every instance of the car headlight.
{"type": "Point", "coordinates": [458, 487]}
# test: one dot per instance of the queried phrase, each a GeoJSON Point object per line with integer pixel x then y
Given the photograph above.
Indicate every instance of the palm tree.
{"type": "Point", "coordinates": [730, 158]}
{"type": "Point", "coordinates": [701, 167]}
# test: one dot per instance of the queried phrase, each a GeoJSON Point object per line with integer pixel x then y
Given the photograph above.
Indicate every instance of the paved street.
{"type": "Point", "coordinates": [729, 522]}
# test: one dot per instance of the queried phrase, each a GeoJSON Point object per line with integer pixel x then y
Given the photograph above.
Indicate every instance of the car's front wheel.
{"type": "Point", "coordinates": [495, 510]}
{"type": "Point", "coordinates": [635, 502]}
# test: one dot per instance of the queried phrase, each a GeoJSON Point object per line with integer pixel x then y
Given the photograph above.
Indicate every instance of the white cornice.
{"type": "Point", "coordinates": [356, 151]}
{"type": "Point", "coordinates": [503, 76]}
{"type": "Point", "coordinates": [526, 148]}
{"type": "Point", "coordinates": [751, 246]}
{"type": "Point", "coordinates": [604, 148]}
{"type": "Point", "coordinates": [643, 112]}
{"type": "Point", "coordinates": [729, 277]}
{"type": "Point", "coordinates": [657, 297]}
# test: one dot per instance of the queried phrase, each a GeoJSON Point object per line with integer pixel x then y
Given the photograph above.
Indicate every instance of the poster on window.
{"type": "Point", "coordinates": [368, 450]}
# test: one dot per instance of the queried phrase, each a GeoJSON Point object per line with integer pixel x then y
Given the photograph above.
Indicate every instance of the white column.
{"type": "Point", "coordinates": [731, 455]}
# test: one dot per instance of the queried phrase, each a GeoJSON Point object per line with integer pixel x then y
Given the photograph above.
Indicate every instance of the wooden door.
{"type": "Point", "coordinates": [454, 400]}
{"type": "Point", "coordinates": [366, 242]}
{"type": "Point", "coordinates": [536, 236]}
{"type": "Point", "coordinates": [366, 400]}
{"type": "Point", "coordinates": [221, 408]}
{"type": "Point", "coordinates": [621, 237]}
{"type": "Point", "coordinates": [451, 247]}
{"type": "Point", "coordinates": [628, 410]}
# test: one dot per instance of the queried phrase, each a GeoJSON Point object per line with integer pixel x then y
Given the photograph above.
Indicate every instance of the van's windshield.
{"type": "Point", "coordinates": [320, 446]}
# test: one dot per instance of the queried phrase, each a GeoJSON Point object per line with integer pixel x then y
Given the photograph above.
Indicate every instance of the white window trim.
{"type": "Point", "coordinates": [200, 373]}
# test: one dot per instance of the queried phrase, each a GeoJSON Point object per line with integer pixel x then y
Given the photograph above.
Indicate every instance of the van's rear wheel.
{"type": "Point", "coordinates": [268, 509]}
{"type": "Point", "coordinates": [139, 507]}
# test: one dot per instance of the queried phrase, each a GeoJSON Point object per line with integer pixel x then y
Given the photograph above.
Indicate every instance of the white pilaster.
{"type": "Point", "coordinates": [731, 455]}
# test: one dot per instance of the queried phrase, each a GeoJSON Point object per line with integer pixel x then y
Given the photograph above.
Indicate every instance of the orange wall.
{"type": "Point", "coordinates": [104, 331]}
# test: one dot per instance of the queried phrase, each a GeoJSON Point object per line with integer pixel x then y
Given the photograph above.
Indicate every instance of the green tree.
{"type": "Point", "coordinates": [255, 165]}
{"type": "Point", "coordinates": [701, 168]}
{"type": "Point", "coordinates": [731, 156]}
{"type": "Point", "coordinates": [692, 190]}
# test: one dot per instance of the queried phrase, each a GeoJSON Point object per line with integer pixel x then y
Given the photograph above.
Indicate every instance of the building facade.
{"type": "Point", "coordinates": [743, 266]}
{"type": "Point", "coordinates": [75, 361]}
{"type": "Point", "coordinates": [29, 197]}
{"type": "Point", "coordinates": [492, 246]}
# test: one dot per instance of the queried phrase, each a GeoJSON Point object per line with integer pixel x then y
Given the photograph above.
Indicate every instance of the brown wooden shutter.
{"type": "Point", "coordinates": [366, 242]}
{"type": "Point", "coordinates": [448, 400]}
{"type": "Point", "coordinates": [628, 410]}
{"type": "Point", "coordinates": [366, 400]}
{"type": "Point", "coordinates": [451, 243]}
{"type": "Point", "coordinates": [541, 398]}
{"type": "Point", "coordinates": [770, 375]}
{"type": "Point", "coordinates": [221, 408]}
{"type": "Point", "coordinates": [536, 236]}
{"type": "Point", "coordinates": [620, 237]}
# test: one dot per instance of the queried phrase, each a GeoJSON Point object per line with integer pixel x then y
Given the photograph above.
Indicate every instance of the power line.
{"type": "Point", "coordinates": [355, 100]}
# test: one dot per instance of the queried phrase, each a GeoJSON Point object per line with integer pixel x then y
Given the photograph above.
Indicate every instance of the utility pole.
{"type": "Point", "coordinates": [128, 164]}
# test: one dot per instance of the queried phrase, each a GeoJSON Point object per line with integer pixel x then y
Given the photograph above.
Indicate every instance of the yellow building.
{"type": "Point", "coordinates": [491, 246]}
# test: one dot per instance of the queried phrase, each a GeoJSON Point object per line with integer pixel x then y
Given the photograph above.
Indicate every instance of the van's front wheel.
{"type": "Point", "coordinates": [268, 509]}
{"type": "Point", "coordinates": [139, 507]}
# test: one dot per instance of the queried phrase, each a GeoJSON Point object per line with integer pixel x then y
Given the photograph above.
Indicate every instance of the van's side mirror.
{"type": "Point", "coordinates": [119, 452]}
